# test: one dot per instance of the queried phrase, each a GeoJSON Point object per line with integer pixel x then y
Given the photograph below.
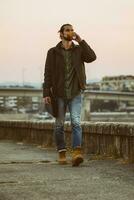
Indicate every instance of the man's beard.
{"type": "Point", "coordinates": [68, 38]}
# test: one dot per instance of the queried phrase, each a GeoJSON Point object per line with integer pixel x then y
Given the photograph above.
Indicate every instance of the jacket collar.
{"type": "Point", "coordinates": [58, 47]}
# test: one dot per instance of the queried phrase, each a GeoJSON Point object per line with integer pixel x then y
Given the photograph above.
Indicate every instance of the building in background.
{"type": "Point", "coordinates": [118, 83]}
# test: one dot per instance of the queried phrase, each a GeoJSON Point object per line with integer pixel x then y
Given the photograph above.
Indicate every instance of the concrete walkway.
{"type": "Point", "coordinates": [28, 172]}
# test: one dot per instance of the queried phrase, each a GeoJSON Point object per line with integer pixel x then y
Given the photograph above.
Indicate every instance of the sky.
{"type": "Point", "coordinates": [30, 27]}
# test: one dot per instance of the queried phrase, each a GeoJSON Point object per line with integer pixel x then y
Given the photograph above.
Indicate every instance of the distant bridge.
{"type": "Point", "coordinates": [19, 92]}
{"type": "Point", "coordinates": [90, 94]}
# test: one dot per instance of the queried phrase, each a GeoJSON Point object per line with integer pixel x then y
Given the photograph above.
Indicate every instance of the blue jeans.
{"type": "Point", "coordinates": [74, 107]}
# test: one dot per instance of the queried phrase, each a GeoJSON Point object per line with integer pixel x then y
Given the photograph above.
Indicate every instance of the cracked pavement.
{"type": "Point", "coordinates": [29, 172]}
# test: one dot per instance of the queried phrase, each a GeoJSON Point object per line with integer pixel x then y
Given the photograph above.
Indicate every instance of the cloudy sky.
{"type": "Point", "coordinates": [29, 28]}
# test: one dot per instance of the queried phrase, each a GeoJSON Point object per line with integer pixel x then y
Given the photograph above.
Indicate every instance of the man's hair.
{"type": "Point", "coordinates": [62, 27]}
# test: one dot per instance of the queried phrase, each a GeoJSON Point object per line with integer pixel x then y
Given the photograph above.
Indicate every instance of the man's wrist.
{"type": "Point", "coordinates": [80, 40]}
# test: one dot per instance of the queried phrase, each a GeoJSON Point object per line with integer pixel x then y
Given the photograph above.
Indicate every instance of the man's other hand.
{"type": "Point", "coordinates": [47, 100]}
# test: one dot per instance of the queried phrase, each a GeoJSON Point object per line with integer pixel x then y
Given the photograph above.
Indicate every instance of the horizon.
{"type": "Point", "coordinates": [93, 80]}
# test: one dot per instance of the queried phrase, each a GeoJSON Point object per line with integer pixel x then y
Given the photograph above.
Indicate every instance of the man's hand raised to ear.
{"type": "Point", "coordinates": [77, 38]}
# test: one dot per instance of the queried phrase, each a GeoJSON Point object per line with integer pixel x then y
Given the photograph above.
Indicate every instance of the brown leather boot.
{"type": "Point", "coordinates": [77, 156]}
{"type": "Point", "coordinates": [62, 157]}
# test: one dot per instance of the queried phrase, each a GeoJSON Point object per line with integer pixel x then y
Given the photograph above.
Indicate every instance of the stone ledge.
{"type": "Point", "coordinates": [113, 128]}
{"type": "Point", "coordinates": [101, 138]}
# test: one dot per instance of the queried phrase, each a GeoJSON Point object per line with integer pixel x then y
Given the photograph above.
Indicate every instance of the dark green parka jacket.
{"type": "Point", "coordinates": [54, 67]}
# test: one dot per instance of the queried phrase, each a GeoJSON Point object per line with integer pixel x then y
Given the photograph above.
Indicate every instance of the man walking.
{"type": "Point", "coordinates": [65, 76]}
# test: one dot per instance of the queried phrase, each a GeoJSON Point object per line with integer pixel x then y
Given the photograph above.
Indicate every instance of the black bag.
{"type": "Point", "coordinates": [52, 108]}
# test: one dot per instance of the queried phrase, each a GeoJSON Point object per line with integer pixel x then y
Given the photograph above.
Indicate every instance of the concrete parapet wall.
{"type": "Point", "coordinates": [99, 138]}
